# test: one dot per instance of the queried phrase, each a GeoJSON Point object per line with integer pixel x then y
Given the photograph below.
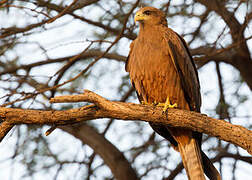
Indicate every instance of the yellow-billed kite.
{"type": "Point", "coordinates": [162, 71]}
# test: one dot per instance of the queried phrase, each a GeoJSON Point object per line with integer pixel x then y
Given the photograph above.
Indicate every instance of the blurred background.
{"type": "Point", "coordinates": [54, 47]}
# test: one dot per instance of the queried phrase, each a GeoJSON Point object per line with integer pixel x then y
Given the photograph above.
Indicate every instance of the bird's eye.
{"type": "Point", "coordinates": [147, 12]}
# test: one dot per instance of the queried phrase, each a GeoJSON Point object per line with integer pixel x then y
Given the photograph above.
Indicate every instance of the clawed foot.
{"type": "Point", "coordinates": [167, 105]}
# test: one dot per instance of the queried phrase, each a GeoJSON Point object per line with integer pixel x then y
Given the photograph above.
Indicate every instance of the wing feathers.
{"type": "Point", "coordinates": [186, 69]}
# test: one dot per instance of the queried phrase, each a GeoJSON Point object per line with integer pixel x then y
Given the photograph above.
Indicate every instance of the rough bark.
{"type": "Point", "coordinates": [104, 108]}
{"type": "Point", "coordinates": [118, 164]}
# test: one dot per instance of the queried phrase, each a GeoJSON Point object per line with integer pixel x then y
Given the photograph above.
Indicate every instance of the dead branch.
{"type": "Point", "coordinates": [103, 108]}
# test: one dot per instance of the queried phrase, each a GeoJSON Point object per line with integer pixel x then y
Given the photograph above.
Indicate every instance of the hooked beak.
{"type": "Point", "coordinates": [139, 17]}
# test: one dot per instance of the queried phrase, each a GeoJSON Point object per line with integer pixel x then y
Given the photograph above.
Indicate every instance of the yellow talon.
{"type": "Point", "coordinates": [146, 103]}
{"type": "Point", "coordinates": [167, 105]}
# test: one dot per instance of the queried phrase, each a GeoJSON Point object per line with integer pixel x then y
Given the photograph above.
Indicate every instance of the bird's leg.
{"type": "Point", "coordinates": [167, 105]}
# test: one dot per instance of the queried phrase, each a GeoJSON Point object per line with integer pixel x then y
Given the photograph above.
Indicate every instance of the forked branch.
{"type": "Point", "coordinates": [103, 108]}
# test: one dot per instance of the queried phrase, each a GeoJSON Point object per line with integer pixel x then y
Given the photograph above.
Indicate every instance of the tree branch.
{"type": "Point", "coordinates": [241, 59]}
{"type": "Point", "coordinates": [89, 54]}
{"type": "Point", "coordinates": [58, 8]}
{"type": "Point", "coordinates": [118, 164]}
{"type": "Point", "coordinates": [217, 158]}
{"type": "Point", "coordinates": [103, 108]}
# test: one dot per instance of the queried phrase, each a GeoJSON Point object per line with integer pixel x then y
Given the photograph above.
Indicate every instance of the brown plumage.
{"type": "Point", "coordinates": [160, 66]}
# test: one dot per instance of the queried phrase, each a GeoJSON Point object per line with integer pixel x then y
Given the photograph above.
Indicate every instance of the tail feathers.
{"type": "Point", "coordinates": [191, 157]}
{"type": "Point", "coordinates": [209, 168]}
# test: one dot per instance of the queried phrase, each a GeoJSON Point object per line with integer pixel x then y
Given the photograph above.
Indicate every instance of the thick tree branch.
{"type": "Point", "coordinates": [104, 108]}
{"type": "Point", "coordinates": [241, 59]}
{"type": "Point", "coordinates": [5, 127]}
{"type": "Point", "coordinates": [118, 164]}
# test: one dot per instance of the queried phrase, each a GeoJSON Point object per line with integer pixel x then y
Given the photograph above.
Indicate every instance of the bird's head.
{"type": "Point", "coordinates": [150, 16]}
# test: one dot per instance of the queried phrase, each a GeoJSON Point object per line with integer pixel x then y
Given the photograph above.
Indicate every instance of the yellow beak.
{"type": "Point", "coordinates": [139, 17]}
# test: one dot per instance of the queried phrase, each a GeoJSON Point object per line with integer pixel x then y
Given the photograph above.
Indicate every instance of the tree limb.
{"type": "Point", "coordinates": [241, 59]}
{"type": "Point", "coordinates": [89, 54]}
{"type": "Point", "coordinates": [118, 164]}
{"type": "Point", "coordinates": [103, 108]}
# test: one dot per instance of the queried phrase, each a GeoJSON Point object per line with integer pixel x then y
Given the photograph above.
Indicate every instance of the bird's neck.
{"type": "Point", "coordinates": [150, 32]}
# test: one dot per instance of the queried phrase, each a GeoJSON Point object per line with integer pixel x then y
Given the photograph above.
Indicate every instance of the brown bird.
{"type": "Point", "coordinates": [162, 71]}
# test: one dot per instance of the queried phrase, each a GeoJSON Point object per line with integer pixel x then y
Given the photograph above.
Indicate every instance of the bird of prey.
{"type": "Point", "coordinates": [162, 71]}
